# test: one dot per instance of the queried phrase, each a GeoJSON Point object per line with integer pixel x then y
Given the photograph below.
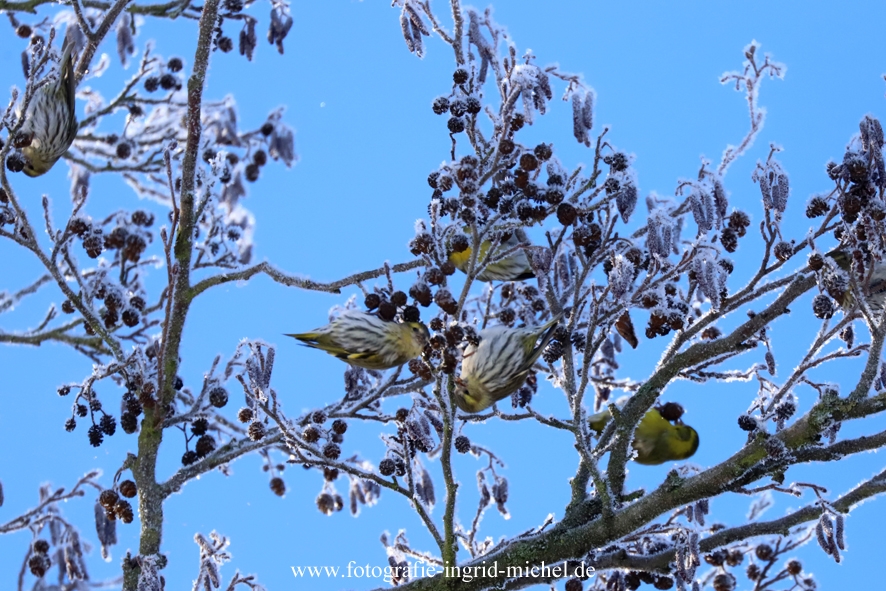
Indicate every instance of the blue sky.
{"type": "Point", "coordinates": [367, 139]}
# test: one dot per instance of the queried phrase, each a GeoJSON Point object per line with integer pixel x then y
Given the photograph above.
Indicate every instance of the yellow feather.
{"type": "Point", "coordinates": [656, 440]}
{"type": "Point", "coordinates": [513, 267]}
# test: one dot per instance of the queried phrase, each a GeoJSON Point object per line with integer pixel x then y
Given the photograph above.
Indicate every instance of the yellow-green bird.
{"type": "Point", "coordinates": [513, 267]}
{"type": "Point", "coordinates": [499, 364]}
{"type": "Point", "coordinates": [50, 121]}
{"type": "Point", "coordinates": [876, 298]}
{"type": "Point", "coordinates": [656, 439]}
{"type": "Point", "coordinates": [365, 340]}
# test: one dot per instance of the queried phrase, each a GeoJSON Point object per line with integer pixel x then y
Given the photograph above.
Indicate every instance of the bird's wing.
{"type": "Point", "coordinates": [524, 276]}
{"type": "Point", "coordinates": [650, 437]}
{"type": "Point", "coordinates": [598, 421]}
{"type": "Point", "coordinates": [353, 356]}
{"type": "Point", "coordinates": [521, 236]}
{"type": "Point", "coordinates": [840, 257]}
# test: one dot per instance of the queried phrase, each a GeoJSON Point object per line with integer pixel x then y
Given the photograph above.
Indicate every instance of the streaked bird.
{"type": "Point", "coordinates": [50, 121]}
{"type": "Point", "coordinates": [656, 439]}
{"type": "Point", "coordinates": [365, 340]}
{"type": "Point", "coordinates": [499, 364]}
{"type": "Point", "coordinates": [512, 267]}
{"type": "Point", "coordinates": [876, 296]}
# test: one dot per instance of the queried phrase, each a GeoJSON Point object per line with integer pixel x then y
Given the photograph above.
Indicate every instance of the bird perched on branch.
{"type": "Point", "coordinates": [500, 363]}
{"type": "Point", "coordinates": [876, 289]}
{"type": "Point", "coordinates": [657, 439]}
{"type": "Point", "coordinates": [365, 340]}
{"type": "Point", "coordinates": [509, 261]}
{"type": "Point", "coordinates": [50, 122]}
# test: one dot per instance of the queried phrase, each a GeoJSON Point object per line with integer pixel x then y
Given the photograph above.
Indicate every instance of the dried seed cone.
{"type": "Point", "coordinates": [278, 486]}
{"type": "Point", "coordinates": [108, 498]}
{"type": "Point", "coordinates": [128, 489]}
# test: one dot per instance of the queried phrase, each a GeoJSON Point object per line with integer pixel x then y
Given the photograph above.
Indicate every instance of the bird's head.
{"type": "Point", "coordinates": [34, 165]}
{"type": "Point", "coordinates": [32, 171]}
{"type": "Point", "coordinates": [420, 331]}
{"type": "Point", "coordinates": [465, 400]}
{"type": "Point", "coordinates": [417, 339]}
{"type": "Point", "coordinates": [461, 260]}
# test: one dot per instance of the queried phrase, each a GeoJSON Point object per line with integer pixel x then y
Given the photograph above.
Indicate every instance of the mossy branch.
{"type": "Point", "coordinates": [164, 9]}
{"type": "Point", "coordinates": [152, 494]}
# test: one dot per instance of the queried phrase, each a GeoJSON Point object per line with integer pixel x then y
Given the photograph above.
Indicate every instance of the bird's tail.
{"type": "Point", "coordinates": [67, 49]}
{"type": "Point", "coordinates": [552, 323]}
{"type": "Point", "coordinates": [67, 80]}
{"type": "Point", "coordinates": [306, 337]}
{"type": "Point", "coordinates": [548, 329]}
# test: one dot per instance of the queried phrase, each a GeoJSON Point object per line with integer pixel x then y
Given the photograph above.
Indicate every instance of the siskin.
{"type": "Point", "coordinates": [365, 340]}
{"type": "Point", "coordinates": [876, 298]}
{"type": "Point", "coordinates": [50, 121]}
{"type": "Point", "coordinates": [499, 365]}
{"type": "Point", "coordinates": [512, 267]}
{"type": "Point", "coordinates": [656, 439]}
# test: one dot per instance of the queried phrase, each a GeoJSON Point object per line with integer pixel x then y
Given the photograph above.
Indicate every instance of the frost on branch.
{"type": "Point", "coordinates": [583, 117]}
{"type": "Point", "coordinates": [55, 543]}
{"type": "Point", "coordinates": [513, 237]}
{"type": "Point", "coordinates": [774, 186]}
{"type": "Point", "coordinates": [749, 81]}
{"type": "Point", "coordinates": [702, 210]}
{"type": "Point", "coordinates": [413, 27]}
{"type": "Point", "coordinates": [214, 554]}
{"type": "Point", "coordinates": [531, 84]}
{"type": "Point", "coordinates": [621, 277]}
{"type": "Point", "coordinates": [711, 279]}
{"type": "Point", "coordinates": [281, 22]}
{"type": "Point", "coordinates": [125, 41]}
{"type": "Point", "coordinates": [662, 236]}
{"type": "Point", "coordinates": [148, 573]}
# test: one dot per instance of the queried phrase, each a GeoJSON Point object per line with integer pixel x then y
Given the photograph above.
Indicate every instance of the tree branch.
{"type": "Point", "coordinates": [293, 281]}
{"type": "Point", "coordinates": [781, 526]}
{"type": "Point", "coordinates": [151, 494]}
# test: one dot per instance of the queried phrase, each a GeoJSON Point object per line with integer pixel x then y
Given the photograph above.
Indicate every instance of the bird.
{"type": "Point", "coordinates": [876, 295]}
{"type": "Point", "coordinates": [365, 340]}
{"type": "Point", "coordinates": [50, 120]}
{"type": "Point", "coordinates": [512, 267]}
{"type": "Point", "coordinates": [499, 364]}
{"type": "Point", "coordinates": [656, 439]}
